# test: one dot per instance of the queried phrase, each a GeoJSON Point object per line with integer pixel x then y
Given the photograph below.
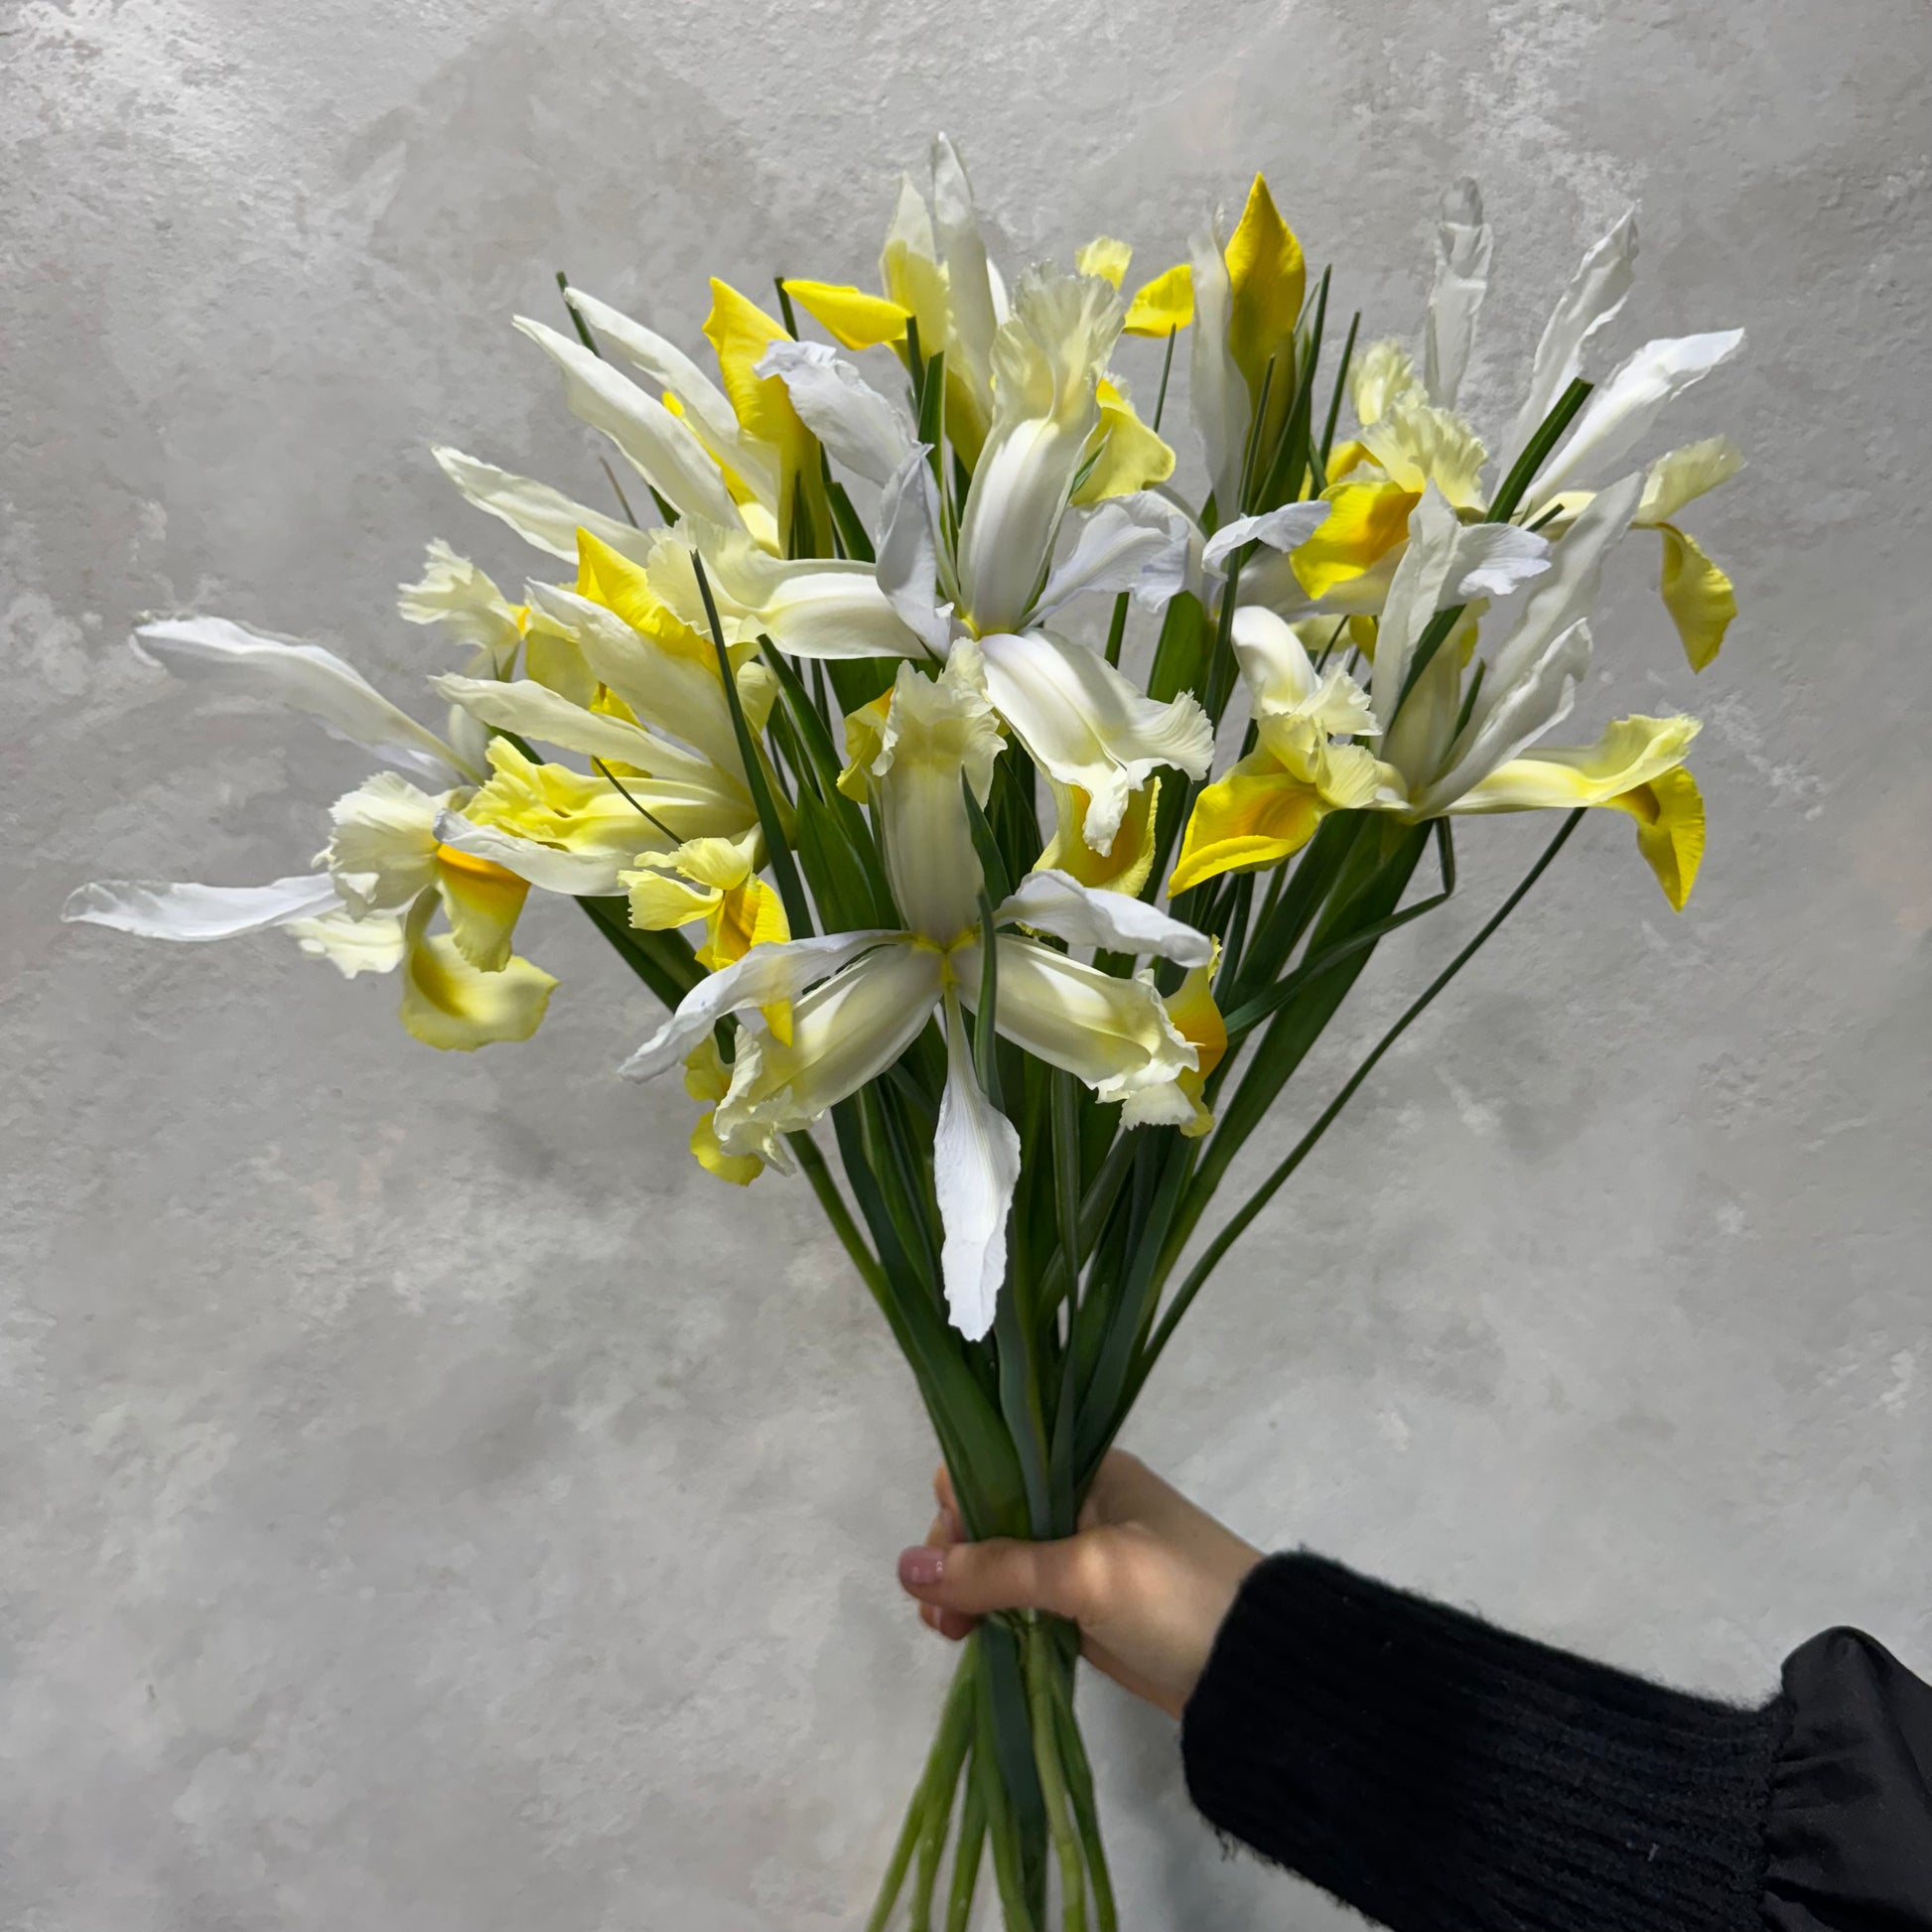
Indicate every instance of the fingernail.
{"type": "Point", "coordinates": [921, 1567]}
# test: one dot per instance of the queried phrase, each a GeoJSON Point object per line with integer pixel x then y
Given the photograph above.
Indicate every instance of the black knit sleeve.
{"type": "Point", "coordinates": [1443, 1775]}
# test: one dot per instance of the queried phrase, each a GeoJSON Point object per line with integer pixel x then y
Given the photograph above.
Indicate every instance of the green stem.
{"type": "Point", "coordinates": [940, 1775]}
{"type": "Point", "coordinates": [967, 1854]}
{"type": "Point", "coordinates": [1041, 1662]}
{"type": "Point", "coordinates": [1086, 1813]}
{"type": "Point", "coordinates": [805, 1150]}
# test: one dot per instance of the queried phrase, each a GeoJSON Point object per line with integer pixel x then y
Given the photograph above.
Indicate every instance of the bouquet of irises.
{"type": "Point", "coordinates": [827, 723]}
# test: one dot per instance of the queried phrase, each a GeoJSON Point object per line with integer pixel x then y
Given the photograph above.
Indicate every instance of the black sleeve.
{"type": "Point", "coordinates": [1442, 1775]}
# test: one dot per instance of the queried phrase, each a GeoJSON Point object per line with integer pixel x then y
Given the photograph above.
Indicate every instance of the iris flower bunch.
{"type": "Point", "coordinates": [838, 749]}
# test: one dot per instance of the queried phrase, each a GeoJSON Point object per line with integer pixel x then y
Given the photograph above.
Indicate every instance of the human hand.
{"type": "Point", "coordinates": [1148, 1576]}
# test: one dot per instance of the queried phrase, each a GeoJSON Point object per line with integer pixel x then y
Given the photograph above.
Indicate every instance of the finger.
{"type": "Point", "coordinates": [1003, 1573]}
{"type": "Point", "coordinates": [942, 1489]}
{"type": "Point", "coordinates": [949, 1623]}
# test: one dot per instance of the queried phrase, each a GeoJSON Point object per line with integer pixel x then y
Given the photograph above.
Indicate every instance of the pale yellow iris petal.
{"type": "Point", "coordinates": [1128, 456]}
{"type": "Point", "coordinates": [741, 331]}
{"type": "Point", "coordinates": [448, 1003]}
{"type": "Point", "coordinates": [1124, 865]}
{"type": "Point", "coordinates": [1378, 376]}
{"type": "Point", "coordinates": [1633, 751]}
{"type": "Point", "coordinates": [382, 854]}
{"type": "Point", "coordinates": [1698, 596]}
{"type": "Point", "coordinates": [1668, 812]}
{"type": "Point", "coordinates": [482, 903]}
{"type": "Point", "coordinates": [708, 1077]}
{"type": "Point", "coordinates": [1106, 257]}
{"type": "Point", "coordinates": [1418, 444]}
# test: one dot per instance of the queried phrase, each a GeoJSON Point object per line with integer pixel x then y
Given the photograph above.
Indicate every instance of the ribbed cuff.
{"type": "Point", "coordinates": [1442, 1775]}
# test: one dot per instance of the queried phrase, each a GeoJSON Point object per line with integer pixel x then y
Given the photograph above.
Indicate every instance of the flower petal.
{"type": "Point", "coordinates": [1623, 411]}
{"type": "Point", "coordinates": [849, 313]}
{"type": "Point", "coordinates": [1162, 305]}
{"type": "Point", "coordinates": [591, 872]}
{"type": "Point", "coordinates": [907, 569]}
{"type": "Point", "coordinates": [1113, 1034]}
{"type": "Point", "coordinates": [152, 910]}
{"type": "Point", "coordinates": [975, 1169]}
{"type": "Point", "coordinates": [1668, 812]}
{"type": "Point", "coordinates": [534, 711]}
{"type": "Point", "coordinates": [1056, 903]}
{"type": "Point", "coordinates": [1596, 293]}
{"type": "Point", "coordinates": [1698, 596]}
{"type": "Point", "coordinates": [1257, 815]}
{"type": "Point", "coordinates": [1286, 528]}
{"type": "Point", "coordinates": [665, 452]}
{"type": "Point", "coordinates": [870, 433]}
{"type": "Point", "coordinates": [1088, 725]}
{"type": "Point", "coordinates": [843, 1033]}
{"type": "Point", "coordinates": [1463, 244]}
{"type": "Point", "coordinates": [766, 976]}
{"type": "Point", "coordinates": [448, 1003]}
{"type": "Point", "coordinates": [1680, 476]}
{"type": "Point", "coordinates": [305, 678]}
{"type": "Point", "coordinates": [351, 945]}
{"type": "Point", "coordinates": [1136, 543]}
{"type": "Point", "coordinates": [544, 517]}
{"type": "Point", "coordinates": [706, 408]}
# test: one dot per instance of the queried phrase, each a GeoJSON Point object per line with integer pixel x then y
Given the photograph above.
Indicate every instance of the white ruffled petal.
{"type": "Point", "coordinates": [1286, 528]}
{"type": "Point", "coordinates": [1055, 901]}
{"type": "Point", "coordinates": [588, 873]}
{"type": "Point", "coordinates": [1089, 726]}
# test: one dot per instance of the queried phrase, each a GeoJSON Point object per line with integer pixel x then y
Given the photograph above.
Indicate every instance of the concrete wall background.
{"type": "Point", "coordinates": [430, 1504]}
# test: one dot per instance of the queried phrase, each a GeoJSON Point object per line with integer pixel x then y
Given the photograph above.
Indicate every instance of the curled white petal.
{"type": "Point", "coordinates": [870, 433]}
{"type": "Point", "coordinates": [153, 910]}
{"type": "Point", "coordinates": [1286, 528]}
{"type": "Point", "coordinates": [1620, 413]}
{"type": "Point", "coordinates": [583, 873]}
{"type": "Point", "coordinates": [1136, 543]}
{"type": "Point", "coordinates": [1538, 698]}
{"type": "Point", "coordinates": [764, 976]}
{"type": "Point", "coordinates": [1055, 901]}
{"type": "Point", "coordinates": [1088, 725]}
{"type": "Point", "coordinates": [907, 569]}
{"type": "Point", "coordinates": [302, 677]}
{"type": "Point", "coordinates": [975, 1169]}
{"type": "Point", "coordinates": [1493, 559]}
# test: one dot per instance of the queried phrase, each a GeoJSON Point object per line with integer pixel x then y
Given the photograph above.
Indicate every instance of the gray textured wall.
{"type": "Point", "coordinates": [429, 1502]}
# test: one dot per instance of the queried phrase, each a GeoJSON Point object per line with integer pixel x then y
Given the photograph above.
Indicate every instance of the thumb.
{"type": "Point", "coordinates": [1001, 1573]}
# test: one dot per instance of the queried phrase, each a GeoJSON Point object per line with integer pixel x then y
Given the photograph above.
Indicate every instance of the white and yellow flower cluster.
{"type": "Point", "coordinates": [1405, 612]}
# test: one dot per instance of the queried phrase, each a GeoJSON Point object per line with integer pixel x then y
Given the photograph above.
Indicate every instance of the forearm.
{"type": "Point", "coordinates": [1440, 1774]}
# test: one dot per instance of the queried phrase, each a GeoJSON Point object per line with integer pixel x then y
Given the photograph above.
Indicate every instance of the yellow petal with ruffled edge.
{"type": "Point", "coordinates": [1199, 1020]}
{"type": "Point", "coordinates": [865, 738]}
{"type": "Point", "coordinates": [448, 1004]}
{"type": "Point", "coordinates": [1258, 815]}
{"type": "Point", "coordinates": [741, 331]}
{"type": "Point", "coordinates": [482, 901]}
{"type": "Point", "coordinates": [1698, 596]}
{"type": "Point", "coordinates": [1162, 305]}
{"type": "Point", "coordinates": [1131, 457]}
{"type": "Point", "coordinates": [1668, 812]}
{"type": "Point", "coordinates": [1106, 257]}
{"type": "Point", "coordinates": [851, 317]}
{"type": "Point", "coordinates": [1267, 279]}
{"type": "Point", "coordinates": [707, 1077]}
{"type": "Point", "coordinates": [1366, 520]}
{"type": "Point", "coordinates": [747, 915]}
{"type": "Point", "coordinates": [1125, 865]}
